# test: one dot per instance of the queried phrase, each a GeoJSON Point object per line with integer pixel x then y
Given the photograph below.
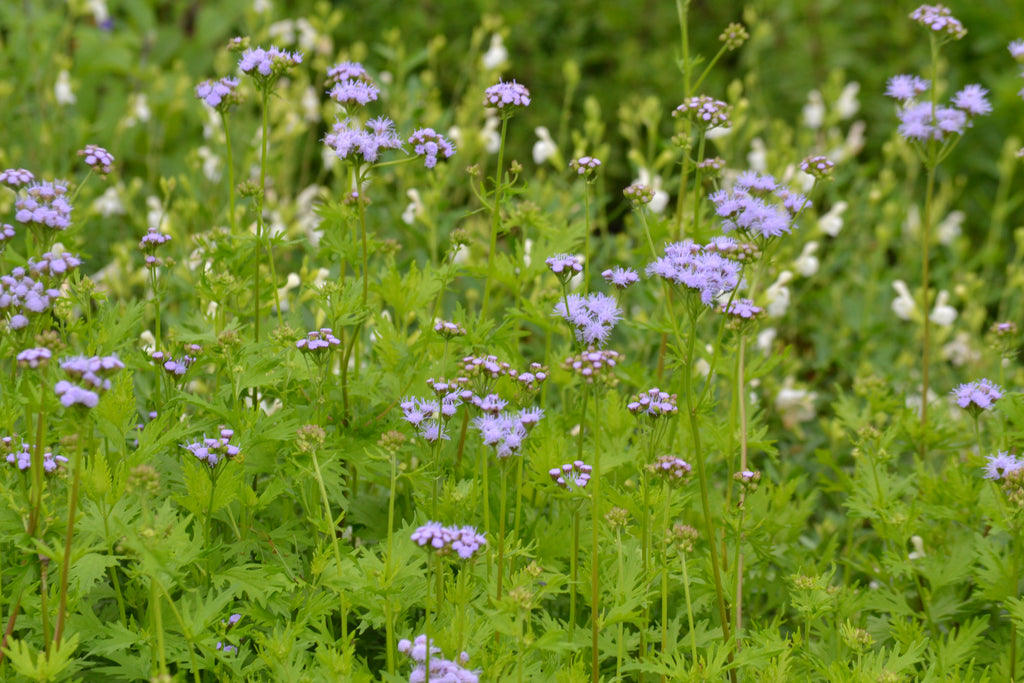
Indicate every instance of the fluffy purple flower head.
{"type": "Point", "coordinates": [906, 87]}
{"type": "Point", "coordinates": [977, 396]}
{"type": "Point", "coordinates": [998, 465]}
{"type": "Point", "coordinates": [671, 467]}
{"type": "Point", "coordinates": [572, 476]}
{"type": "Point", "coordinates": [7, 233]}
{"type": "Point", "coordinates": [742, 308]}
{"type": "Point", "coordinates": [20, 294]}
{"type": "Point", "coordinates": [507, 96]}
{"type": "Point", "coordinates": [592, 317]}
{"type": "Point", "coordinates": [35, 357]}
{"type": "Point", "coordinates": [564, 265]}
{"type": "Point", "coordinates": [758, 206]}
{"type": "Point", "coordinates": [817, 166]}
{"type": "Point", "coordinates": [45, 205]}
{"type": "Point", "coordinates": [219, 94]}
{"type": "Point", "coordinates": [351, 142]}
{"type": "Point", "coordinates": [443, 540]}
{"type": "Point", "coordinates": [318, 341]}
{"type": "Point", "coordinates": [214, 450]}
{"type": "Point", "coordinates": [705, 111]}
{"type": "Point", "coordinates": [16, 177]}
{"type": "Point", "coordinates": [428, 144]}
{"type": "Point", "coordinates": [939, 19]}
{"type": "Point", "coordinates": [1016, 48]}
{"type": "Point", "coordinates": [97, 158]}
{"type": "Point", "coordinates": [449, 329]}
{"type": "Point", "coordinates": [353, 92]}
{"type": "Point", "coordinates": [72, 394]}
{"type": "Point", "coordinates": [620, 277]}
{"type": "Point", "coordinates": [687, 264]}
{"type": "Point", "coordinates": [653, 403]}
{"type": "Point", "coordinates": [971, 99]}
{"type": "Point", "coordinates": [585, 165]}
{"type": "Point", "coordinates": [53, 266]}
{"type": "Point", "coordinates": [441, 669]}
{"type": "Point", "coordinates": [504, 432]}
{"type": "Point", "coordinates": [346, 71]}
{"type": "Point", "coordinates": [267, 65]}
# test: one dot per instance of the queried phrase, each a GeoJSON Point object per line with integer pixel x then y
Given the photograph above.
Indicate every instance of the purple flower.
{"type": "Point", "coordinates": [6, 232]}
{"type": "Point", "coordinates": [21, 294]}
{"type": "Point", "coordinates": [507, 95]}
{"type": "Point", "coordinates": [318, 341]}
{"type": "Point", "coordinates": [214, 450]}
{"type": "Point", "coordinates": [564, 265]}
{"type": "Point", "coordinates": [1016, 48]}
{"type": "Point", "coordinates": [347, 140]}
{"type": "Point", "coordinates": [16, 177]}
{"type": "Point", "coordinates": [593, 365]}
{"type": "Point", "coordinates": [977, 396]}
{"type": "Point", "coordinates": [653, 403]}
{"type": "Point", "coordinates": [705, 111]}
{"type": "Point", "coordinates": [938, 18]}
{"type": "Point", "coordinates": [504, 432]}
{"type": "Point", "coordinates": [35, 357]}
{"type": "Point", "coordinates": [817, 166]}
{"type": "Point", "coordinates": [742, 308]}
{"type": "Point", "coordinates": [449, 329]}
{"type": "Point", "coordinates": [687, 264]}
{"type": "Point", "coordinates": [352, 91]}
{"type": "Point", "coordinates": [218, 94]}
{"type": "Point", "coordinates": [54, 266]}
{"type": "Point", "coordinates": [464, 541]}
{"type": "Point", "coordinates": [45, 205]}
{"type": "Point", "coordinates": [97, 158]}
{"type": "Point", "coordinates": [671, 467]}
{"type": "Point", "coordinates": [905, 87]}
{"type": "Point", "coordinates": [428, 144]}
{"type": "Point", "coordinates": [573, 476]}
{"type": "Point", "coordinates": [266, 66]}
{"type": "Point", "coordinates": [758, 206]}
{"type": "Point", "coordinates": [345, 71]}
{"type": "Point", "coordinates": [997, 466]}
{"type": "Point", "coordinates": [441, 669]}
{"type": "Point", "coordinates": [917, 121]}
{"type": "Point", "coordinates": [593, 317]}
{"type": "Point", "coordinates": [971, 99]}
{"type": "Point", "coordinates": [585, 165]}
{"type": "Point", "coordinates": [620, 277]}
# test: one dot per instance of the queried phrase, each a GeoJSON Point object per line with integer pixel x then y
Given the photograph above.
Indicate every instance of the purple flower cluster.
{"type": "Point", "coordinates": [212, 451]}
{"type": "Point", "coordinates": [35, 357]}
{"type": "Point", "coordinates": [653, 403]}
{"type": "Point", "coordinates": [428, 143]}
{"type": "Point", "coordinates": [564, 265]}
{"type": "Point", "coordinates": [978, 396]}
{"type": "Point", "coordinates": [705, 111]}
{"type": "Point", "coordinates": [742, 308]}
{"type": "Point", "coordinates": [488, 366]}
{"type": "Point", "coordinates": [318, 341]}
{"type": "Point", "coordinates": [20, 294]}
{"type": "Point", "coordinates": [97, 158]}
{"type": "Point", "coordinates": [176, 367]}
{"type": "Point", "coordinates": [53, 266]}
{"type": "Point", "coordinates": [744, 252]}
{"type": "Point", "coordinates": [530, 379]}
{"type": "Point", "coordinates": [585, 165]}
{"type": "Point", "coordinates": [431, 416]}
{"type": "Point", "coordinates": [573, 476]}
{"type": "Point", "coordinates": [345, 71]}
{"type": "Point", "coordinates": [6, 233]}
{"type": "Point", "coordinates": [758, 206]}
{"type": "Point", "coordinates": [443, 540]}
{"type": "Point", "coordinates": [21, 457]}
{"type": "Point", "coordinates": [16, 177]}
{"type": "Point", "coordinates": [921, 121]}
{"type": "Point", "coordinates": [268, 65]}
{"type": "Point", "coordinates": [219, 94]}
{"type": "Point", "coordinates": [352, 91]}
{"type": "Point", "coordinates": [999, 465]}
{"type": "Point", "coordinates": [671, 467]}
{"type": "Point", "coordinates": [441, 670]}
{"type": "Point", "coordinates": [592, 316]}
{"type": "Point", "coordinates": [620, 277]}
{"type": "Point", "coordinates": [817, 166]}
{"type": "Point", "coordinates": [449, 329]}
{"type": "Point", "coordinates": [639, 194]}
{"type": "Point", "coordinates": [507, 95]}
{"type": "Point", "coordinates": [505, 432]}
{"type": "Point", "coordinates": [939, 19]}
{"type": "Point", "coordinates": [150, 242]}
{"type": "Point", "coordinates": [45, 204]}
{"type": "Point", "coordinates": [690, 265]}
{"type": "Point", "coordinates": [89, 378]}
{"type": "Point", "coordinates": [594, 365]}
{"type": "Point", "coordinates": [348, 140]}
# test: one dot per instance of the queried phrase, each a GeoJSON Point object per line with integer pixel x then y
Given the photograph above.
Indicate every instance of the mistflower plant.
{"type": "Point", "coordinates": [818, 167]}
{"type": "Point", "coordinates": [997, 466]}
{"type": "Point", "coordinates": [507, 96]}
{"type": "Point", "coordinates": [592, 317]}
{"type": "Point", "coordinates": [351, 91]}
{"type": "Point", "coordinates": [758, 207]}
{"type": "Point", "coordinates": [97, 158]}
{"type": "Point", "coordinates": [16, 177]}
{"type": "Point", "coordinates": [619, 277]}
{"type": "Point", "coordinates": [705, 112]}
{"type": "Point", "coordinates": [429, 659]}
{"type": "Point", "coordinates": [34, 358]}
{"type": "Point", "coordinates": [214, 450]}
{"type": "Point", "coordinates": [691, 266]}
{"type": "Point", "coordinates": [362, 143]}
{"type": "Point", "coordinates": [429, 144]}
{"type": "Point", "coordinates": [345, 71]}
{"type": "Point", "coordinates": [442, 540]}
{"type": "Point", "coordinates": [45, 205]}
{"type": "Point", "coordinates": [572, 476]}
{"type": "Point", "coordinates": [671, 467]}
{"type": "Point", "coordinates": [89, 377]}
{"type": "Point", "coordinates": [742, 308]}
{"type": "Point", "coordinates": [21, 457]}
{"type": "Point", "coordinates": [979, 396]}
{"type": "Point", "coordinates": [266, 66]}
{"type": "Point", "coordinates": [585, 166]}
{"type": "Point", "coordinates": [21, 296]}
{"type": "Point", "coordinates": [940, 20]}
{"type": "Point", "coordinates": [220, 94]}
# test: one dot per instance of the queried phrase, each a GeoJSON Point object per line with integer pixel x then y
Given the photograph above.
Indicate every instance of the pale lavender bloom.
{"type": "Point", "coordinates": [16, 177]}
{"type": "Point", "coordinates": [758, 206]}
{"type": "Point", "coordinates": [441, 669]}
{"type": "Point", "coordinates": [671, 467]}
{"type": "Point", "coordinates": [21, 294]}
{"type": "Point", "coordinates": [53, 265]}
{"type": "Point", "coordinates": [7, 233]}
{"type": "Point", "coordinates": [742, 308]}
{"type": "Point", "coordinates": [45, 204]}
{"type": "Point", "coordinates": [507, 95]}
{"type": "Point", "coordinates": [564, 264]}
{"type": "Point", "coordinates": [572, 476]}
{"type": "Point", "coordinates": [999, 465]}
{"type": "Point", "coordinates": [918, 123]}
{"type": "Point", "coordinates": [219, 94]}
{"type": "Point", "coordinates": [585, 164]}
{"type": "Point", "coordinates": [905, 87]}
{"type": "Point", "coordinates": [347, 140]}
{"type": "Point", "coordinates": [971, 99]}
{"type": "Point", "coordinates": [428, 144]}
{"type": "Point", "coordinates": [653, 403]}
{"type": "Point", "coordinates": [153, 238]}
{"type": "Point", "coordinates": [464, 541]}
{"type": "Point", "coordinates": [687, 264]}
{"type": "Point", "coordinates": [345, 71]}
{"type": "Point", "coordinates": [416, 411]}
{"type": "Point", "coordinates": [214, 450]}
{"type": "Point", "coordinates": [979, 395]}
{"type": "Point", "coordinates": [433, 431]}
{"type": "Point", "coordinates": [71, 394]}
{"type": "Point", "coordinates": [705, 111]}
{"type": "Point", "coordinates": [97, 158]}
{"type": "Point", "coordinates": [620, 277]}
{"type": "Point", "coordinates": [491, 403]}
{"type": "Point", "coordinates": [267, 64]}
{"type": "Point", "coordinates": [352, 91]}
{"type": "Point", "coordinates": [593, 317]}
{"type": "Point", "coordinates": [1016, 48]}
{"type": "Point", "coordinates": [938, 18]}
{"type": "Point", "coordinates": [34, 357]}
{"type": "Point", "coordinates": [504, 432]}
{"type": "Point", "coordinates": [318, 340]}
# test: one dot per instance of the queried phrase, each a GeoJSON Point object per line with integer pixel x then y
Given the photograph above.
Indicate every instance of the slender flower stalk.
{"type": "Point", "coordinates": [495, 218]}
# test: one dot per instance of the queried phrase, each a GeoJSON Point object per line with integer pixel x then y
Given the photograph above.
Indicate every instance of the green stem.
{"type": "Point", "coordinates": [586, 239]}
{"type": "Point", "coordinates": [926, 344]}
{"type": "Point", "coordinates": [503, 466]}
{"type": "Point", "coordinates": [495, 218]}
{"type": "Point", "coordinates": [574, 569]}
{"type": "Point", "coordinates": [366, 252]}
{"type": "Point", "coordinates": [231, 173]}
{"type": "Point", "coordinates": [664, 578]}
{"type": "Point", "coordinates": [689, 610]}
{"type": "Point", "coordinates": [595, 523]}
{"type": "Point", "coordinates": [621, 645]}
{"type": "Point", "coordinates": [389, 617]}
{"type": "Point", "coordinates": [330, 524]}
{"type": "Point", "coordinates": [76, 476]}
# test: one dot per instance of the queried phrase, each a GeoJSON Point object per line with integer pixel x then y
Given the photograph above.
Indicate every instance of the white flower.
{"type": "Point", "coordinates": [282, 31]}
{"type": "Point", "coordinates": [138, 108]}
{"type": "Point", "coordinates": [777, 295]}
{"type": "Point", "coordinates": [807, 263]}
{"type": "Point", "coordinates": [660, 200]}
{"type": "Point", "coordinates": [765, 339]}
{"type": "Point", "coordinates": [912, 223]}
{"type": "Point", "coordinates": [109, 203]}
{"type": "Point", "coordinates": [462, 255]}
{"type": "Point", "coordinates": [320, 279]}
{"type": "Point", "coordinates": [717, 132]}
{"type": "Point", "coordinates": [903, 305]}
{"type": "Point", "coordinates": [308, 37]}
{"type": "Point", "coordinates": [262, 6]}
{"type": "Point", "coordinates": [853, 144]}
{"type": "Point", "coordinates": [814, 110]}
{"type": "Point", "coordinates": [100, 13]}
{"type": "Point", "coordinates": [310, 105]}
{"type": "Point", "coordinates": [848, 105]}
{"type": "Point", "coordinates": [794, 405]}
{"type": "Point", "coordinates": [918, 551]}
{"type": "Point", "coordinates": [949, 229]}
{"type": "Point", "coordinates": [545, 147]}
{"type": "Point", "coordinates": [527, 252]}
{"type": "Point", "coordinates": [147, 341]}
{"type": "Point", "coordinates": [62, 89]}
{"type": "Point", "coordinates": [291, 282]}
{"type": "Point", "coordinates": [832, 222]}
{"type": "Point", "coordinates": [211, 163]}
{"type": "Point", "coordinates": [155, 215]}
{"type": "Point", "coordinates": [943, 314]}
{"type": "Point", "coordinates": [415, 208]}
{"type": "Point", "coordinates": [496, 55]}
{"type": "Point", "coordinates": [959, 351]}
{"type": "Point", "coordinates": [305, 213]}
{"type": "Point", "coordinates": [757, 158]}
{"type": "Point", "coordinates": [491, 136]}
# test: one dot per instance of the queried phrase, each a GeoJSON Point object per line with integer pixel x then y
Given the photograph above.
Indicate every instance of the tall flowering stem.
{"type": "Point", "coordinates": [495, 218]}
{"type": "Point", "coordinates": [76, 477]}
